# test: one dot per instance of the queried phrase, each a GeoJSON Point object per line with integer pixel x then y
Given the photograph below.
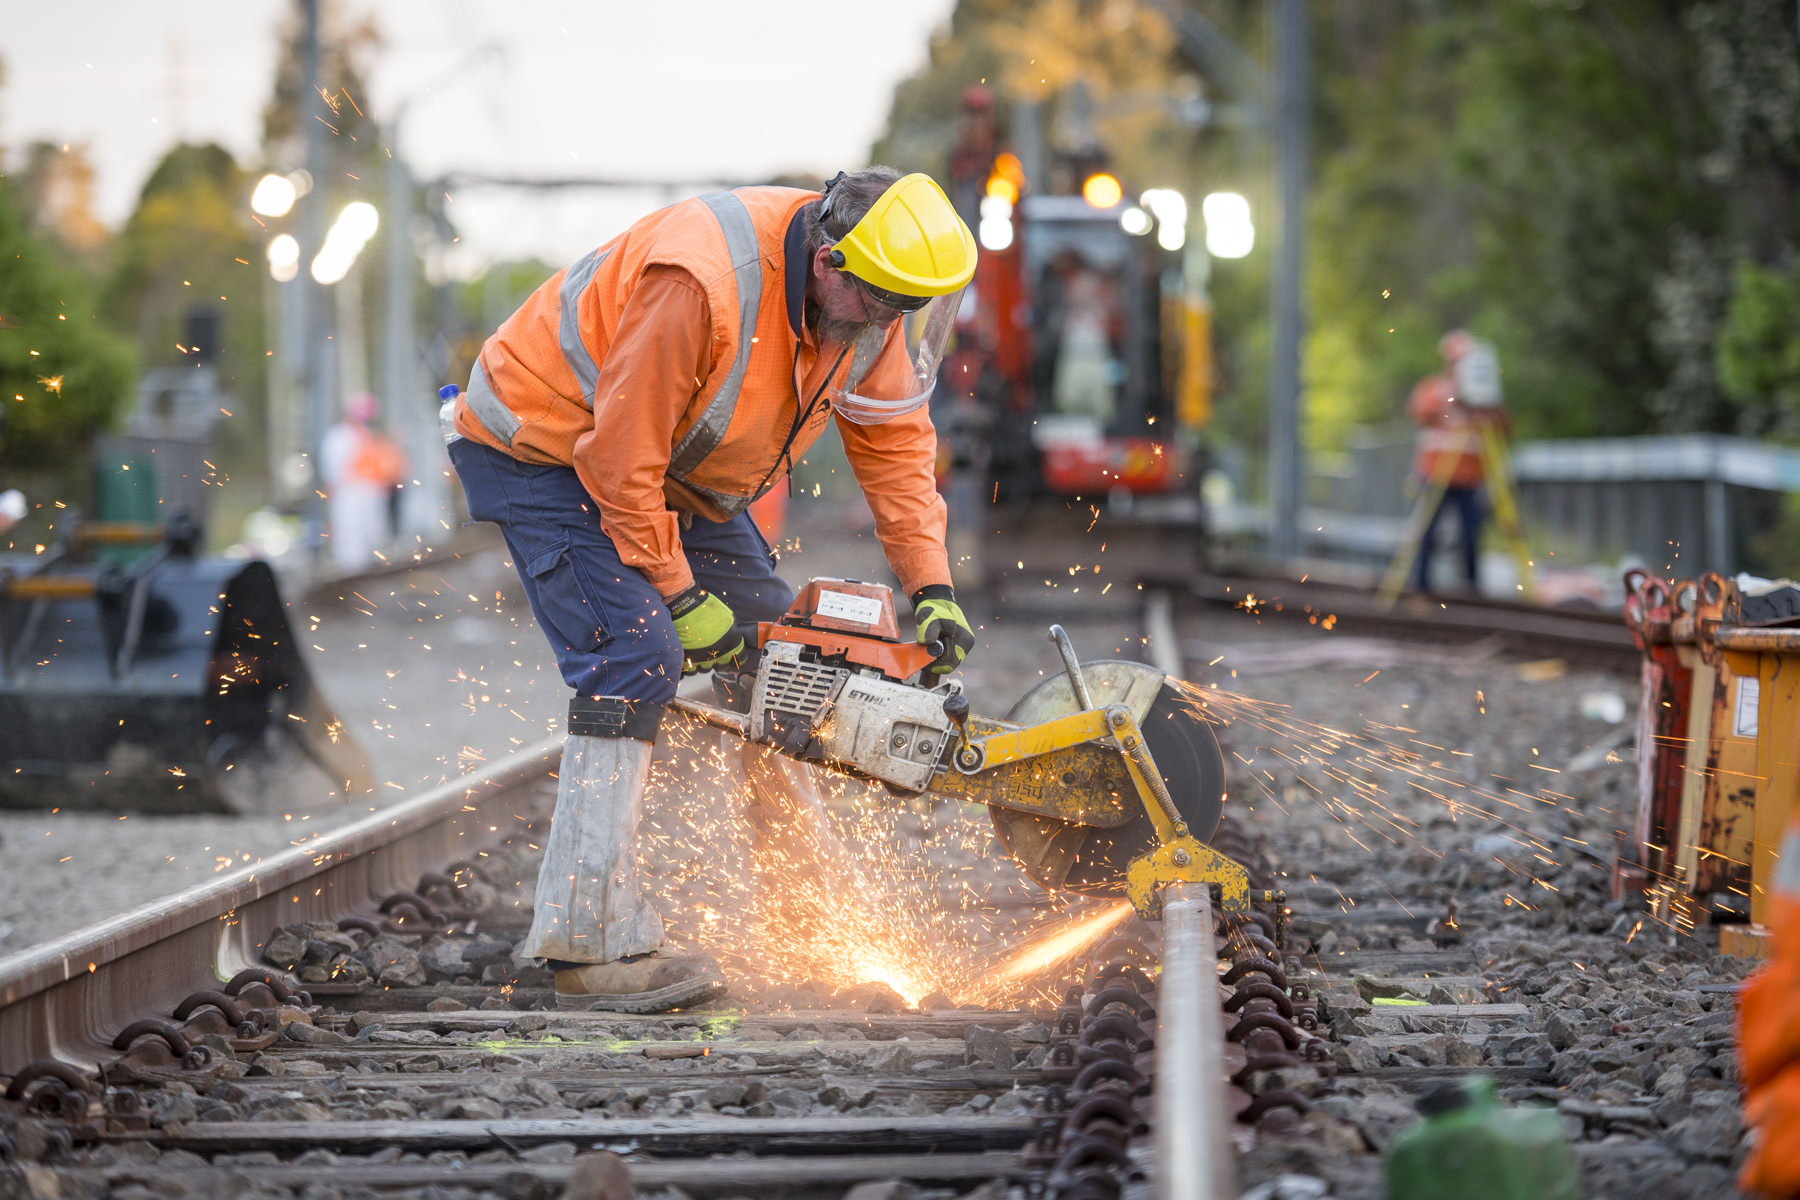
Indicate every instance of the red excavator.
{"type": "Point", "coordinates": [1069, 413]}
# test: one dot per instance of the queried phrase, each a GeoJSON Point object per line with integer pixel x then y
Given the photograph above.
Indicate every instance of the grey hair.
{"type": "Point", "coordinates": [842, 204]}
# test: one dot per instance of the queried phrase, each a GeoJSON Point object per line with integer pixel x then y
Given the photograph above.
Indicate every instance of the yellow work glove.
{"type": "Point", "coordinates": [707, 629]}
{"type": "Point", "coordinates": [940, 619]}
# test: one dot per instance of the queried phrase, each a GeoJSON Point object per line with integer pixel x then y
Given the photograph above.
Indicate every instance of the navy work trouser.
{"type": "Point", "coordinates": [1468, 506]}
{"type": "Point", "coordinates": [610, 630]}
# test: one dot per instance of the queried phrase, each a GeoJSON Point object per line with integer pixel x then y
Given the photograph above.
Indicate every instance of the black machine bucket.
{"type": "Point", "coordinates": [174, 686]}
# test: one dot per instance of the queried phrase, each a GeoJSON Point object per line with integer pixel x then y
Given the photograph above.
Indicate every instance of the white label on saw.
{"type": "Point", "coordinates": [1743, 717]}
{"type": "Point", "coordinates": [845, 607]}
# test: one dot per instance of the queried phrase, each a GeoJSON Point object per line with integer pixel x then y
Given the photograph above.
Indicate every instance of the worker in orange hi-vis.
{"type": "Point", "coordinates": [1769, 1041]}
{"type": "Point", "coordinates": [361, 467]}
{"type": "Point", "coordinates": [620, 426]}
{"type": "Point", "coordinates": [1451, 408]}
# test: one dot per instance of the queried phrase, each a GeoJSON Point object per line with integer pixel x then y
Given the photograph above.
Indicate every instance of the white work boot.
{"type": "Point", "coordinates": [589, 908]}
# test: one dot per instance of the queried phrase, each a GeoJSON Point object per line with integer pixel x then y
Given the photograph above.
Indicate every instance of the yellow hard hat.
{"type": "Point", "coordinates": [910, 242]}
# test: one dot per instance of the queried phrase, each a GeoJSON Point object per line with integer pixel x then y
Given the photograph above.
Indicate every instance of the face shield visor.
{"type": "Point", "coordinates": [925, 335]}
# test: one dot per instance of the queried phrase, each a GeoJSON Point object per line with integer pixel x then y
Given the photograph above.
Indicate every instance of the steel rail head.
{"type": "Point", "coordinates": [1194, 1157]}
{"type": "Point", "coordinates": [59, 999]}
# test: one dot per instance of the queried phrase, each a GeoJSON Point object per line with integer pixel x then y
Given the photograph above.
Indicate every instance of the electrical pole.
{"type": "Point", "coordinates": [1287, 315]}
{"type": "Point", "coordinates": [315, 367]}
{"type": "Point", "coordinates": [424, 500]}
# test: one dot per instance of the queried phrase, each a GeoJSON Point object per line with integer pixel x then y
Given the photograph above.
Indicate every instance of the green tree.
{"type": "Point", "coordinates": [1579, 183]}
{"type": "Point", "coordinates": [187, 249]}
{"type": "Point", "coordinates": [63, 374]}
{"type": "Point", "coordinates": [55, 191]}
{"type": "Point", "coordinates": [1759, 349]}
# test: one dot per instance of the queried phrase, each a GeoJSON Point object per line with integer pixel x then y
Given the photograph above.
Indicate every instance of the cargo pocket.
{"type": "Point", "coordinates": [565, 602]}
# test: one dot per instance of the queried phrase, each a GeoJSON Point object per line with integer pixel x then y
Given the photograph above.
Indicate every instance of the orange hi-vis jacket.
{"type": "Point", "coordinates": [1769, 1040]}
{"type": "Point", "coordinates": [1449, 438]}
{"type": "Point", "coordinates": [669, 368]}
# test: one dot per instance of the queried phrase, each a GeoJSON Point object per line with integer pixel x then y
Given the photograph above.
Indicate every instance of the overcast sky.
{"type": "Point", "coordinates": [734, 89]}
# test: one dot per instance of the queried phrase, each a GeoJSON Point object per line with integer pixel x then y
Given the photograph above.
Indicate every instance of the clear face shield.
{"type": "Point", "coordinates": [925, 335]}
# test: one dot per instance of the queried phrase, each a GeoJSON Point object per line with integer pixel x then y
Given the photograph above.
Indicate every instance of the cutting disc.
{"type": "Point", "coordinates": [1081, 858]}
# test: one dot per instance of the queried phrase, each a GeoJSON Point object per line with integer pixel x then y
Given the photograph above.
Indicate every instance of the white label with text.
{"type": "Point", "coordinates": [845, 607]}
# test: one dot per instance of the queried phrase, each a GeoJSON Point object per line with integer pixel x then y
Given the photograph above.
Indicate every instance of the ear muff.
{"type": "Point", "coordinates": [828, 198]}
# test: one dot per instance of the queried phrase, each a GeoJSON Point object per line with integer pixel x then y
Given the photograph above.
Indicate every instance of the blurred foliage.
{"type": "Point", "coordinates": [1759, 348]}
{"type": "Point", "coordinates": [189, 248]}
{"type": "Point", "coordinates": [1603, 190]}
{"type": "Point", "coordinates": [63, 375]}
{"type": "Point", "coordinates": [56, 195]}
{"type": "Point", "coordinates": [343, 51]}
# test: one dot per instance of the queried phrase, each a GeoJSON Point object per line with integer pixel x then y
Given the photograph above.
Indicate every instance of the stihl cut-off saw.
{"type": "Point", "coordinates": [1102, 780]}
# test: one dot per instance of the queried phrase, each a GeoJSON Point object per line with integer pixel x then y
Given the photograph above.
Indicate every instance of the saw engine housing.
{"type": "Point", "coordinates": [833, 697]}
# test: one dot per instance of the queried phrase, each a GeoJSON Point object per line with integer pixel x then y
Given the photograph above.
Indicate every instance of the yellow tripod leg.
{"type": "Point", "coordinates": [1506, 509]}
{"type": "Point", "coordinates": [1407, 553]}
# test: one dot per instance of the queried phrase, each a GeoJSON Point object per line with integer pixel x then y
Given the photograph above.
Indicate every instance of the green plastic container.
{"type": "Point", "coordinates": [1471, 1147]}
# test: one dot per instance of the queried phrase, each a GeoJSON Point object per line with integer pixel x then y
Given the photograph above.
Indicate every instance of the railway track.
{"type": "Point", "coordinates": [438, 1066]}
{"type": "Point", "coordinates": [1584, 634]}
{"type": "Point", "coordinates": [397, 1046]}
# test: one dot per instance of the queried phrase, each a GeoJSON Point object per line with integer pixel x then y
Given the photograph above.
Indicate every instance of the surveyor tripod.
{"type": "Point", "coordinates": [1497, 477]}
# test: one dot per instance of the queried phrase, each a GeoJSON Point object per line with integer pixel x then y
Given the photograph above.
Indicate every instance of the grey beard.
{"type": "Point", "coordinates": [840, 333]}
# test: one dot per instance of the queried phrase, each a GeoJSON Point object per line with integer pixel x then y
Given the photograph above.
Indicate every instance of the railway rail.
{"type": "Point", "coordinates": [1588, 634]}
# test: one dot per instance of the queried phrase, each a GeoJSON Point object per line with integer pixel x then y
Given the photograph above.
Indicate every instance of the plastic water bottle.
{"type": "Point", "coordinates": [447, 412]}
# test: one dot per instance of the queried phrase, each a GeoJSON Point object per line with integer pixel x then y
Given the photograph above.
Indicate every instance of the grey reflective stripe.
{"type": "Point", "coordinates": [746, 261]}
{"type": "Point", "coordinates": [726, 503]}
{"type": "Point", "coordinates": [1787, 869]}
{"type": "Point", "coordinates": [493, 415]}
{"type": "Point", "coordinates": [568, 327]}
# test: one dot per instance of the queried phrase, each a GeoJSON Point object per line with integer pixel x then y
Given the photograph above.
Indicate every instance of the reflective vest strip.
{"type": "Point", "coordinates": [730, 505]}
{"type": "Point", "coordinates": [1787, 869]}
{"type": "Point", "coordinates": [568, 327]}
{"type": "Point", "coordinates": [746, 262]}
{"type": "Point", "coordinates": [1464, 441]}
{"type": "Point", "coordinates": [495, 416]}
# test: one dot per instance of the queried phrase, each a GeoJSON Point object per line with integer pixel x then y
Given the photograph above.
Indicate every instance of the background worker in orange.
{"type": "Point", "coordinates": [361, 467]}
{"type": "Point", "coordinates": [1450, 408]}
{"type": "Point", "coordinates": [1769, 1041]}
{"type": "Point", "coordinates": [618, 426]}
